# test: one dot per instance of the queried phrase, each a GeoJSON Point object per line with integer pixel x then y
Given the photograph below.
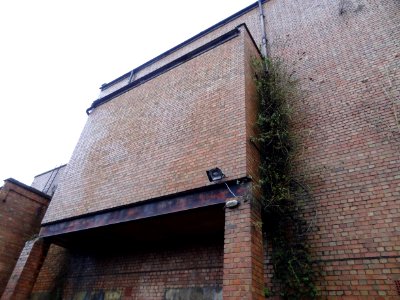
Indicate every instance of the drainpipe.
{"type": "Point", "coordinates": [264, 35]}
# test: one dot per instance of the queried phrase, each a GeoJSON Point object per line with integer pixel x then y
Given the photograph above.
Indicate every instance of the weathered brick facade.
{"type": "Point", "coordinates": [159, 137]}
{"type": "Point", "coordinates": [243, 252]}
{"type": "Point", "coordinates": [141, 272]}
{"type": "Point", "coordinates": [24, 275]}
{"type": "Point", "coordinates": [191, 118]}
{"type": "Point", "coordinates": [347, 57]}
{"type": "Point", "coordinates": [21, 211]}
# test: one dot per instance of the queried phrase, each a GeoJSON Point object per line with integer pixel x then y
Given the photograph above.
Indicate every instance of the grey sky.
{"type": "Point", "coordinates": [54, 55]}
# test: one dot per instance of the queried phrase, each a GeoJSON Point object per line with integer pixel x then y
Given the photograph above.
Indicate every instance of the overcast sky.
{"type": "Point", "coordinates": [54, 55]}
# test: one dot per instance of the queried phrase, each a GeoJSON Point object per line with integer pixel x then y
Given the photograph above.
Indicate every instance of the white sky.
{"type": "Point", "coordinates": [54, 55]}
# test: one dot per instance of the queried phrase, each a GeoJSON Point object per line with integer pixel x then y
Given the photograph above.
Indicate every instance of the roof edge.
{"type": "Point", "coordinates": [50, 170]}
{"type": "Point", "coordinates": [185, 43]}
{"type": "Point", "coordinates": [27, 187]}
{"type": "Point", "coordinates": [169, 66]}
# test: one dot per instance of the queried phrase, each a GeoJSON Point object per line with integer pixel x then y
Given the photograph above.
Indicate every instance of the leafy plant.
{"type": "Point", "coordinates": [280, 191]}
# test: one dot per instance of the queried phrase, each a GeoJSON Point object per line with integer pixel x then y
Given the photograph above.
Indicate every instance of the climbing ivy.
{"type": "Point", "coordinates": [283, 223]}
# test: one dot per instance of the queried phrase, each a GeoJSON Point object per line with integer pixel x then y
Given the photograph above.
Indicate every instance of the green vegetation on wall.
{"type": "Point", "coordinates": [283, 222]}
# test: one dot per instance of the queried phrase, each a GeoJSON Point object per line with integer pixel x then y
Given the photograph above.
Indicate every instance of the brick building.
{"type": "Point", "coordinates": [48, 181]}
{"type": "Point", "coordinates": [21, 211]}
{"type": "Point", "coordinates": [136, 216]}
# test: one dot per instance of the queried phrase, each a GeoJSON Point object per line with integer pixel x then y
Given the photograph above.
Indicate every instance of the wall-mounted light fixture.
{"type": "Point", "coordinates": [232, 203]}
{"type": "Point", "coordinates": [215, 174]}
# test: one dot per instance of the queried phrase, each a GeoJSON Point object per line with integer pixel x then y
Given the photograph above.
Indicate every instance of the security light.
{"type": "Point", "coordinates": [215, 174]}
{"type": "Point", "coordinates": [232, 203]}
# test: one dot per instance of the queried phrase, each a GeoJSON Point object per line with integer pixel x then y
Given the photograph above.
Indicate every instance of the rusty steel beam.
{"type": "Point", "coordinates": [212, 195]}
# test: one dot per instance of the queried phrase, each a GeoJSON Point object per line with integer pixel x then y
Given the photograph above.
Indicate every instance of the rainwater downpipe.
{"type": "Point", "coordinates": [263, 34]}
{"type": "Point", "coordinates": [264, 53]}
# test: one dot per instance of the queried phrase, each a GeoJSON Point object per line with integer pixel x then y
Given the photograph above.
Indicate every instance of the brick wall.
{"type": "Point", "coordinates": [243, 251]}
{"type": "Point", "coordinates": [160, 137]}
{"type": "Point", "coordinates": [347, 57]}
{"type": "Point", "coordinates": [47, 182]}
{"type": "Point", "coordinates": [21, 211]}
{"type": "Point", "coordinates": [52, 275]}
{"type": "Point", "coordinates": [251, 105]}
{"type": "Point", "coordinates": [26, 270]}
{"type": "Point", "coordinates": [137, 273]}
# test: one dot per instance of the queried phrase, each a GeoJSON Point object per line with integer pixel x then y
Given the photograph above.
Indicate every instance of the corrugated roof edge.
{"type": "Point", "coordinates": [27, 187]}
{"type": "Point", "coordinates": [185, 43]}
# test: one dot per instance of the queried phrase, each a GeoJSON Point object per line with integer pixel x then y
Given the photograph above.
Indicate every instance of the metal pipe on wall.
{"type": "Point", "coordinates": [263, 33]}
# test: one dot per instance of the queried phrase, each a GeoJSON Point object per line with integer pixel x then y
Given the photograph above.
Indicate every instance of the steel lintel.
{"type": "Point", "coordinates": [212, 195]}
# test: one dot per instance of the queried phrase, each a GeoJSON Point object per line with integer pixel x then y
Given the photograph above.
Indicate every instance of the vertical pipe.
{"type": "Point", "coordinates": [263, 34]}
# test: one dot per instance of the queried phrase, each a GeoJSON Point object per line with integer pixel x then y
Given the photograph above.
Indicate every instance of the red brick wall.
{"type": "Point", "coordinates": [347, 57]}
{"type": "Point", "coordinates": [21, 212]}
{"type": "Point", "coordinates": [252, 154]}
{"type": "Point", "coordinates": [160, 137]}
{"type": "Point", "coordinates": [54, 270]}
{"type": "Point", "coordinates": [144, 273]}
{"type": "Point", "coordinates": [243, 251]}
{"type": "Point", "coordinates": [26, 270]}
